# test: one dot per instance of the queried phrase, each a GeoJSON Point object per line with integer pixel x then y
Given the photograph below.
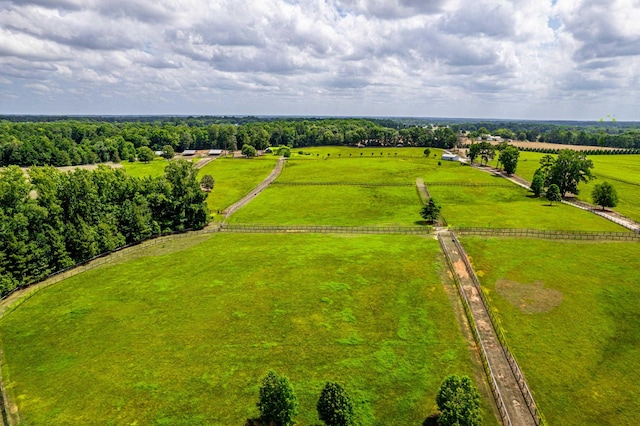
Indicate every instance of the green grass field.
{"type": "Point", "coordinates": [497, 207]}
{"type": "Point", "coordinates": [571, 312]}
{"type": "Point", "coordinates": [234, 178]}
{"type": "Point", "coordinates": [333, 205]}
{"type": "Point", "coordinates": [182, 335]}
{"type": "Point", "coordinates": [606, 168]}
{"type": "Point", "coordinates": [152, 168]}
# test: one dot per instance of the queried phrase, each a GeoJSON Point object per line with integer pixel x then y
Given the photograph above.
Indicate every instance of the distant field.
{"type": "Point", "coordinates": [571, 312]}
{"type": "Point", "coordinates": [182, 335]}
{"type": "Point", "coordinates": [152, 168]}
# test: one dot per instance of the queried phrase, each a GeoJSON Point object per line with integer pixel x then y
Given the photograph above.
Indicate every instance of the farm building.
{"type": "Point", "coordinates": [215, 152]}
{"type": "Point", "coordinates": [158, 153]}
{"type": "Point", "coordinates": [447, 156]}
{"type": "Point", "coordinates": [188, 152]}
{"type": "Point", "coordinates": [268, 150]}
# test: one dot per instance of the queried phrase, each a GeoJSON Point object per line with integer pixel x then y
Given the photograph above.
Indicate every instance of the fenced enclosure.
{"type": "Point", "coordinates": [279, 183]}
{"type": "Point", "coordinates": [321, 229]}
{"type": "Point", "coordinates": [548, 234]}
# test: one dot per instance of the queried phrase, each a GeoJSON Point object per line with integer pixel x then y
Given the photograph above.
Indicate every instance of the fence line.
{"type": "Point", "coordinates": [471, 184]}
{"type": "Point", "coordinates": [497, 396]}
{"type": "Point", "coordinates": [549, 234]}
{"type": "Point", "coordinates": [339, 184]}
{"type": "Point", "coordinates": [497, 326]}
{"type": "Point", "coordinates": [326, 229]}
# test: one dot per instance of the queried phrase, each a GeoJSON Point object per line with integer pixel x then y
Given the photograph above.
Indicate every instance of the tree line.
{"type": "Point", "coordinates": [52, 220]}
{"type": "Point", "coordinates": [75, 142]}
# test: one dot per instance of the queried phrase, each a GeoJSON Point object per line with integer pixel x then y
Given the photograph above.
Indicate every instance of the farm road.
{"type": "Point", "coordinates": [511, 395]}
{"type": "Point", "coordinates": [258, 189]}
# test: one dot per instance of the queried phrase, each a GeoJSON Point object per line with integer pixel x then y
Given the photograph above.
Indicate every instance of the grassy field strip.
{"type": "Point", "coordinates": [574, 306]}
{"type": "Point", "coordinates": [139, 342]}
{"type": "Point", "coordinates": [518, 409]}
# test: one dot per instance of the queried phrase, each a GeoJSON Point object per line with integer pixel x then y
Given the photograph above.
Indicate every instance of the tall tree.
{"type": "Point", "coordinates": [335, 407]}
{"type": "Point", "coordinates": [569, 170]}
{"type": "Point", "coordinates": [459, 402]}
{"type": "Point", "coordinates": [537, 184]}
{"type": "Point", "coordinates": [431, 211]}
{"type": "Point", "coordinates": [278, 403]}
{"type": "Point", "coordinates": [604, 195]}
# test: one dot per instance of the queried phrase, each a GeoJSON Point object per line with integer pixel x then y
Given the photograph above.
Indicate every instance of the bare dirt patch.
{"type": "Point", "coordinates": [529, 298]}
{"type": "Point", "coordinates": [546, 145]}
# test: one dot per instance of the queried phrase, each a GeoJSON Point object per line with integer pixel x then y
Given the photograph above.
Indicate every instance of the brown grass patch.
{"type": "Point", "coordinates": [529, 298]}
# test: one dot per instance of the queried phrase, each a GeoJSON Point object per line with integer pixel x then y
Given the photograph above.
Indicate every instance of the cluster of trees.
{"type": "Point", "coordinates": [566, 172]}
{"type": "Point", "coordinates": [53, 220]}
{"type": "Point", "coordinates": [609, 134]}
{"type": "Point", "coordinates": [508, 154]}
{"type": "Point", "coordinates": [278, 403]}
{"type": "Point", "coordinates": [458, 402]}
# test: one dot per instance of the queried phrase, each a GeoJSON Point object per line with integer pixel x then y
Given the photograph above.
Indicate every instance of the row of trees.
{"type": "Point", "coordinates": [54, 220]}
{"type": "Point", "coordinates": [458, 402]}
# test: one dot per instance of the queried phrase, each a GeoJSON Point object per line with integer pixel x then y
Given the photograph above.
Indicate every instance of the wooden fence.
{"type": "Point", "coordinates": [321, 229]}
{"type": "Point", "coordinates": [548, 234]}
{"type": "Point", "coordinates": [280, 183]}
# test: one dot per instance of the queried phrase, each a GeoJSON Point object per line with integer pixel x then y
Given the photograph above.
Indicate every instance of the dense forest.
{"type": "Point", "coordinates": [29, 141]}
{"type": "Point", "coordinates": [52, 220]}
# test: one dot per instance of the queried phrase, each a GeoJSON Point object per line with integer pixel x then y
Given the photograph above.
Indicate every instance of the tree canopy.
{"type": "Point", "coordinates": [509, 159]}
{"type": "Point", "coordinates": [335, 407]}
{"type": "Point", "coordinates": [569, 169]}
{"type": "Point", "coordinates": [604, 195]}
{"type": "Point", "coordinates": [278, 403]}
{"type": "Point", "coordinates": [459, 402]}
{"type": "Point", "coordinates": [431, 211]}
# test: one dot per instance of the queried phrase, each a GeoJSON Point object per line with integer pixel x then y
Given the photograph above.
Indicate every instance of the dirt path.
{"type": "Point", "coordinates": [258, 189]}
{"type": "Point", "coordinates": [611, 215]}
{"type": "Point", "coordinates": [508, 395]}
{"type": "Point", "coordinates": [422, 190]}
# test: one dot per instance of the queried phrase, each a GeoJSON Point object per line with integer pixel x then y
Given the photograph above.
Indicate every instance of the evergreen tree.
{"type": "Point", "coordinates": [335, 407]}
{"type": "Point", "coordinates": [278, 404]}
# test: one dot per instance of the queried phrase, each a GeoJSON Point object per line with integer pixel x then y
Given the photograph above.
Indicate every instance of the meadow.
{"type": "Point", "coordinates": [570, 311]}
{"type": "Point", "coordinates": [140, 169]}
{"type": "Point", "coordinates": [138, 342]}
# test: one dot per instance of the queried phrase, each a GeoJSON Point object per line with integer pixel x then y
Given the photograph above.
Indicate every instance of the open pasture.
{"type": "Point", "coordinates": [505, 207]}
{"type": "Point", "coordinates": [348, 151]}
{"type": "Point", "coordinates": [234, 178]}
{"type": "Point", "coordinates": [571, 313]}
{"type": "Point", "coordinates": [140, 169]}
{"type": "Point", "coordinates": [183, 337]}
{"type": "Point", "coordinates": [333, 205]}
{"type": "Point", "coordinates": [621, 171]}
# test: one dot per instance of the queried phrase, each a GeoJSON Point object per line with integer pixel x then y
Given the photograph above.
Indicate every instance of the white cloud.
{"type": "Point", "coordinates": [382, 57]}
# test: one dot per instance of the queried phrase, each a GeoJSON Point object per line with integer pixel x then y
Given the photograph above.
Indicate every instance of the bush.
{"type": "Point", "coordinates": [335, 407]}
{"type": "Point", "coordinates": [278, 404]}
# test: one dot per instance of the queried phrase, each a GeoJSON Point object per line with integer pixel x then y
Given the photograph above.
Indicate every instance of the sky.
{"type": "Point", "coordinates": [519, 59]}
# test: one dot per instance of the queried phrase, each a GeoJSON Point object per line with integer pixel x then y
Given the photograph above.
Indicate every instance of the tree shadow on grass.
{"type": "Point", "coordinates": [432, 420]}
{"type": "Point", "coordinates": [422, 223]}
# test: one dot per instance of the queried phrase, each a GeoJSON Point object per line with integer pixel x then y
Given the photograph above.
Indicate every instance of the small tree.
{"type": "Point", "coordinates": [426, 152]}
{"type": "Point", "coordinates": [168, 152]}
{"type": "Point", "coordinates": [430, 211]}
{"type": "Point", "coordinates": [278, 404]}
{"type": "Point", "coordinates": [604, 195]}
{"type": "Point", "coordinates": [509, 159]}
{"type": "Point", "coordinates": [248, 151]}
{"type": "Point", "coordinates": [537, 184]}
{"type": "Point", "coordinates": [459, 402]}
{"type": "Point", "coordinates": [553, 194]}
{"type": "Point", "coordinates": [207, 182]}
{"type": "Point", "coordinates": [145, 154]}
{"type": "Point", "coordinates": [335, 407]}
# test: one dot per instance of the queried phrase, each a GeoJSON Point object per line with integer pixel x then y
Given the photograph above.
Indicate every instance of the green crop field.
{"type": "Point", "coordinates": [182, 335]}
{"type": "Point", "coordinates": [234, 178]}
{"type": "Point", "coordinates": [571, 313]}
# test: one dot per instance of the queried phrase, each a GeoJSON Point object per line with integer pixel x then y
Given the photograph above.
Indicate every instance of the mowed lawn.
{"type": "Point", "coordinates": [183, 338]}
{"type": "Point", "coordinates": [139, 169]}
{"type": "Point", "coordinates": [235, 178]}
{"type": "Point", "coordinates": [333, 205]}
{"type": "Point", "coordinates": [512, 207]}
{"type": "Point", "coordinates": [571, 312]}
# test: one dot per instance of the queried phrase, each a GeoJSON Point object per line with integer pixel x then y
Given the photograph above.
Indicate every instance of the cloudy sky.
{"type": "Point", "coordinates": [526, 59]}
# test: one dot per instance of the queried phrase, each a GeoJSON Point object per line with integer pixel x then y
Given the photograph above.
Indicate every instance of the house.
{"type": "Point", "coordinates": [447, 156]}
{"type": "Point", "coordinates": [189, 152]}
{"type": "Point", "coordinates": [215, 152]}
